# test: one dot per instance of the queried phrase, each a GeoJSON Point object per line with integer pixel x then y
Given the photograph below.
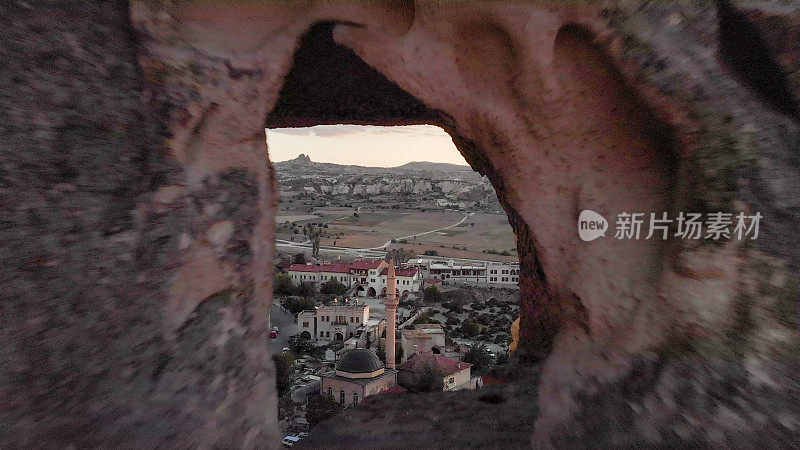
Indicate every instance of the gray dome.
{"type": "Point", "coordinates": [360, 360]}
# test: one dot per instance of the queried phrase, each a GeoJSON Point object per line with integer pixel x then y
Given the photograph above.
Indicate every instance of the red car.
{"type": "Point", "coordinates": [273, 334]}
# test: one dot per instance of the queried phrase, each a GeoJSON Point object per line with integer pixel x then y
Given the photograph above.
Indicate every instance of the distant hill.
{"type": "Point", "coordinates": [304, 161]}
{"type": "Point", "coordinates": [426, 165]}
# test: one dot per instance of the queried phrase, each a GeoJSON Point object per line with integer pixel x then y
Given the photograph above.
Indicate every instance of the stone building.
{"type": "Point", "coordinates": [358, 373]}
{"type": "Point", "coordinates": [422, 338]}
{"type": "Point", "coordinates": [337, 323]}
{"type": "Point", "coordinates": [455, 374]}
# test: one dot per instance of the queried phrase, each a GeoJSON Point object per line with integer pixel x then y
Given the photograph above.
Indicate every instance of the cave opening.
{"type": "Point", "coordinates": [456, 242]}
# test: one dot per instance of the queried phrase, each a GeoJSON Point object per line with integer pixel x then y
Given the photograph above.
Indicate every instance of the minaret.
{"type": "Point", "coordinates": [391, 314]}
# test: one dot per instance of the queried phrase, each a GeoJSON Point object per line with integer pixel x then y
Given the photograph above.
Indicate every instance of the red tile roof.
{"type": "Point", "coordinates": [303, 268]}
{"type": "Point", "coordinates": [329, 268]}
{"type": "Point", "coordinates": [396, 389]}
{"type": "Point", "coordinates": [401, 272]}
{"type": "Point", "coordinates": [335, 268]}
{"type": "Point", "coordinates": [366, 264]}
{"type": "Point", "coordinates": [447, 365]}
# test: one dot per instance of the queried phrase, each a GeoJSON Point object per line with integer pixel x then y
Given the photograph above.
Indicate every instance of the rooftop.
{"type": "Point", "coordinates": [366, 264]}
{"type": "Point", "coordinates": [447, 365]}
{"type": "Point", "coordinates": [402, 272]}
{"type": "Point", "coordinates": [330, 268]}
{"type": "Point", "coordinates": [360, 360]}
{"type": "Point", "coordinates": [361, 381]}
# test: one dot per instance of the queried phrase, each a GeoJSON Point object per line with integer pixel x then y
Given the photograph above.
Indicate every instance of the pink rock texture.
{"type": "Point", "coordinates": [140, 199]}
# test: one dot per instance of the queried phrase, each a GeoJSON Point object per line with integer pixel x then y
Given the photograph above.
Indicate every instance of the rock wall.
{"type": "Point", "coordinates": [152, 183]}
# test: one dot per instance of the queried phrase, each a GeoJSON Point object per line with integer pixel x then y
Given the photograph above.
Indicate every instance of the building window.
{"type": "Point", "coordinates": [330, 392]}
{"type": "Point", "coordinates": [356, 319]}
{"type": "Point", "coordinates": [321, 334]}
{"type": "Point", "coordinates": [355, 398]}
{"type": "Point", "coordinates": [351, 319]}
{"type": "Point", "coordinates": [305, 324]}
{"type": "Point", "coordinates": [341, 397]}
{"type": "Point", "coordinates": [327, 334]}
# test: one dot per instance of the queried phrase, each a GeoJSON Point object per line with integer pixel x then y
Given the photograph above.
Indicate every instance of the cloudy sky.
{"type": "Point", "coordinates": [364, 145]}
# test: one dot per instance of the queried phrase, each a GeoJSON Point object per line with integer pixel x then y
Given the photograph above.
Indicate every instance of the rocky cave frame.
{"type": "Point", "coordinates": [329, 84]}
{"type": "Point", "coordinates": [602, 105]}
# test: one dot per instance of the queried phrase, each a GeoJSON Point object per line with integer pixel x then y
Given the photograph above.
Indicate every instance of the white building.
{"type": "Point", "coordinates": [334, 323]}
{"type": "Point", "coordinates": [502, 273]}
{"type": "Point", "coordinates": [456, 374]}
{"type": "Point", "coordinates": [369, 277]}
{"type": "Point", "coordinates": [479, 272]}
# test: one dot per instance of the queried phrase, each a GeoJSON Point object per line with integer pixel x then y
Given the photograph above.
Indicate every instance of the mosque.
{"type": "Point", "coordinates": [360, 372]}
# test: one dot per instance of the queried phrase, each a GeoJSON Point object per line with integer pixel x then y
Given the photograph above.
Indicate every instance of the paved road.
{"type": "Point", "coordinates": [286, 327]}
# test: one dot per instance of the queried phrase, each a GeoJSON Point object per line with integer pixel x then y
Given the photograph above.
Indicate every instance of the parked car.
{"type": "Point", "coordinates": [285, 350]}
{"type": "Point", "coordinates": [289, 441]}
{"type": "Point", "coordinates": [273, 334]}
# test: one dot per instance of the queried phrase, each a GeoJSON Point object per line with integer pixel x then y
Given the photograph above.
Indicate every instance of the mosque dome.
{"type": "Point", "coordinates": [359, 363]}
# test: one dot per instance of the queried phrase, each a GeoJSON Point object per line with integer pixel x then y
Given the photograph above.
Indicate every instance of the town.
{"type": "Point", "coordinates": [349, 330]}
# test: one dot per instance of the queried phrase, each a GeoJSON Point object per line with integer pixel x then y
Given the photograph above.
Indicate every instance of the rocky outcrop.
{"type": "Point", "coordinates": [140, 202]}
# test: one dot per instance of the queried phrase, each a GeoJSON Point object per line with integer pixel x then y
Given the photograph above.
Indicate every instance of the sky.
{"type": "Point", "coordinates": [370, 146]}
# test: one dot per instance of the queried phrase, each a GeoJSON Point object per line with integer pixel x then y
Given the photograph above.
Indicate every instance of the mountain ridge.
{"type": "Point", "coordinates": [303, 159]}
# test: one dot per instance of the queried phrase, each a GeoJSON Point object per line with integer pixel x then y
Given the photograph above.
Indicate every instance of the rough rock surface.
{"type": "Point", "coordinates": [138, 203]}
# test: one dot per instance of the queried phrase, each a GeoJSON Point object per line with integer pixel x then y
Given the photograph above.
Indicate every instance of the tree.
{"type": "Point", "coordinates": [470, 328]}
{"type": "Point", "coordinates": [478, 355]}
{"type": "Point", "coordinates": [294, 305]}
{"type": "Point", "coordinates": [429, 379]}
{"type": "Point", "coordinates": [431, 253]}
{"type": "Point", "coordinates": [306, 289]}
{"type": "Point", "coordinates": [300, 258]}
{"type": "Point", "coordinates": [333, 287]}
{"type": "Point", "coordinates": [283, 285]}
{"type": "Point", "coordinates": [432, 295]}
{"type": "Point", "coordinates": [283, 372]}
{"type": "Point", "coordinates": [398, 353]}
{"type": "Point", "coordinates": [381, 353]}
{"type": "Point", "coordinates": [321, 407]}
{"type": "Point", "coordinates": [302, 346]}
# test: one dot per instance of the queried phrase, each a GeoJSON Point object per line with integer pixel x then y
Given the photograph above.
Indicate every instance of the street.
{"type": "Point", "coordinates": [286, 327]}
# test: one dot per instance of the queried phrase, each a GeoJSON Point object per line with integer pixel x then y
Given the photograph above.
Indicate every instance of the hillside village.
{"type": "Point", "coordinates": [446, 334]}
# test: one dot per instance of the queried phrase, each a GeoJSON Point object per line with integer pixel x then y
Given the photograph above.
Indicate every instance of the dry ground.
{"type": "Point", "coordinates": [489, 232]}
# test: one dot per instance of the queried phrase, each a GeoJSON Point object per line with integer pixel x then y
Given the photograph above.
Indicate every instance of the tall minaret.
{"type": "Point", "coordinates": [391, 314]}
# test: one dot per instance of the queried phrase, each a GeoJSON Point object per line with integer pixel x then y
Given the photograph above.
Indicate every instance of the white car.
{"type": "Point", "coordinates": [289, 441]}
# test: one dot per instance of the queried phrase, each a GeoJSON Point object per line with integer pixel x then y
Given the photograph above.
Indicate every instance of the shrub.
{"type": "Point", "coordinates": [478, 356]}
{"type": "Point", "coordinates": [320, 408]}
{"type": "Point", "coordinates": [431, 253]}
{"type": "Point", "coordinates": [432, 295]}
{"type": "Point", "coordinates": [470, 328]}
